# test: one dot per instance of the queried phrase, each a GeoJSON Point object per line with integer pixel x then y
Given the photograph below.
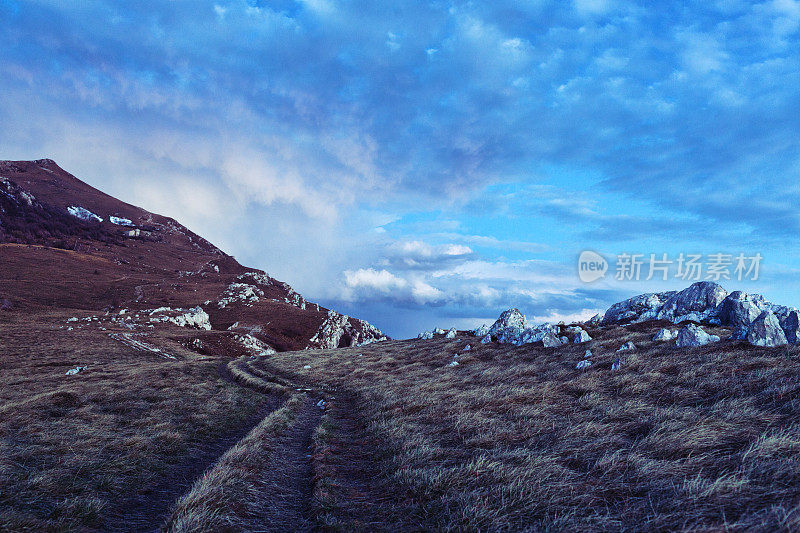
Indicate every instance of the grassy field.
{"type": "Point", "coordinates": [112, 445]}
{"type": "Point", "coordinates": [704, 439]}
{"type": "Point", "coordinates": [511, 438]}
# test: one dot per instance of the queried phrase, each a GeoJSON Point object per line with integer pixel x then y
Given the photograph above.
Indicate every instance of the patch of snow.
{"type": "Point", "coordinates": [83, 214]}
{"type": "Point", "coordinates": [119, 221]}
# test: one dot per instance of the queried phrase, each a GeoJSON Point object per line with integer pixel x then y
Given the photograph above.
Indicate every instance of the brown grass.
{"type": "Point", "coordinates": [234, 495]}
{"type": "Point", "coordinates": [73, 449]}
{"type": "Point", "coordinates": [704, 439]}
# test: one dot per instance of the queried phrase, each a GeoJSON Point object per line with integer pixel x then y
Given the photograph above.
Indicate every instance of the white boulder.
{"type": "Point", "coordinates": [450, 334]}
{"type": "Point", "coordinates": [627, 347]}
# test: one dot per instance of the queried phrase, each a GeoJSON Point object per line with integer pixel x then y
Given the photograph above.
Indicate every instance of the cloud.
{"type": "Point", "coordinates": [320, 137]}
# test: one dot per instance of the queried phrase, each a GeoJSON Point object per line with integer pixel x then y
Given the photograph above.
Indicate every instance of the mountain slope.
{"type": "Point", "coordinates": [65, 244]}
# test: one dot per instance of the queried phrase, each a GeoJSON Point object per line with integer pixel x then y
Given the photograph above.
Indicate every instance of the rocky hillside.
{"type": "Point", "coordinates": [67, 245]}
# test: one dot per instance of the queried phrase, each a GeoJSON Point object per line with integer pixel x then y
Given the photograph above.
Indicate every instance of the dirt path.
{"type": "Point", "coordinates": [288, 477]}
{"type": "Point", "coordinates": [146, 511]}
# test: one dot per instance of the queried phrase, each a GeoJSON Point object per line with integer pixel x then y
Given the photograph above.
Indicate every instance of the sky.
{"type": "Point", "coordinates": [424, 164]}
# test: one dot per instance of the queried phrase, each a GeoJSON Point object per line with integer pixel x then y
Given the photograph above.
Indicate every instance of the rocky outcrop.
{"type": "Point", "coordinates": [340, 331]}
{"type": "Point", "coordinates": [739, 309]}
{"type": "Point", "coordinates": [766, 331]}
{"type": "Point", "coordinates": [697, 302]}
{"type": "Point", "coordinates": [692, 335]}
{"type": "Point", "coordinates": [637, 309]}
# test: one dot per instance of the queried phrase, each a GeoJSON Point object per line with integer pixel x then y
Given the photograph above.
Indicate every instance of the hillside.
{"type": "Point", "coordinates": [66, 245]}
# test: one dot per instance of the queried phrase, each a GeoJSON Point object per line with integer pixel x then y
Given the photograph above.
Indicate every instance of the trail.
{"type": "Point", "coordinates": [146, 511]}
{"type": "Point", "coordinates": [288, 477]}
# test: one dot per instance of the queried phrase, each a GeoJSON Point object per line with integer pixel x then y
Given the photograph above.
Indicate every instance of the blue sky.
{"type": "Point", "coordinates": [423, 164]}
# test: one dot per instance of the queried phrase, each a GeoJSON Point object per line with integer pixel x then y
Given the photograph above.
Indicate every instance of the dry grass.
{"type": "Point", "coordinates": [704, 439]}
{"type": "Point", "coordinates": [234, 495]}
{"type": "Point", "coordinates": [74, 449]}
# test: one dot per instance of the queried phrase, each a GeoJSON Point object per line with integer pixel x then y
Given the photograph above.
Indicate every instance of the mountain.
{"type": "Point", "coordinates": [67, 245]}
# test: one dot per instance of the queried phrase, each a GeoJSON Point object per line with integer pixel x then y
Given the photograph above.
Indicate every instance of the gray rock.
{"type": "Point", "coordinates": [583, 364]}
{"type": "Point", "coordinates": [766, 331]}
{"type": "Point", "coordinates": [697, 302]}
{"type": "Point", "coordinates": [425, 335]}
{"type": "Point", "coordinates": [738, 309]}
{"type": "Point", "coordinates": [482, 331]}
{"type": "Point", "coordinates": [665, 335]}
{"type": "Point", "coordinates": [551, 340]}
{"type": "Point", "coordinates": [637, 309]}
{"type": "Point", "coordinates": [617, 364]}
{"type": "Point", "coordinates": [595, 321]}
{"type": "Point", "coordinates": [789, 318]}
{"type": "Point", "coordinates": [509, 319]}
{"type": "Point", "coordinates": [627, 347]}
{"type": "Point", "coordinates": [691, 335]}
{"type": "Point", "coordinates": [467, 348]}
{"type": "Point", "coordinates": [486, 339]}
{"type": "Point", "coordinates": [581, 337]}
{"type": "Point", "coordinates": [587, 353]}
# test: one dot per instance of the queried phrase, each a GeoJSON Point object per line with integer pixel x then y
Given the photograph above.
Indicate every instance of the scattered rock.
{"type": "Point", "coordinates": [425, 335]}
{"type": "Point", "coordinates": [321, 404]}
{"type": "Point", "coordinates": [665, 334]}
{"type": "Point", "coordinates": [481, 331]}
{"type": "Point", "coordinates": [692, 335]}
{"type": "Point", "coordinates": [581, 337]}
{"type": "Point", "coordinates": [587, 353]}
{"type": "Point", "coordinates": [453, 363]}
{"type": "Point", "coordinates": [511, 319]}
{"type": "Point", "coordinates": [451, 334]}
{"type": "Point", "coordinates": [467, 348]}
{"type": "Point", "coordinates": [583, 364]}
{"type": "Point", "coordinates": [439, 331]}
{"type": "Point", "coordinates": [76, 370]}
{"type": "Point", "coordinates": [766, 331]}
{"type": "Point", "coordinates": [627, 347]}
{"type": "Point", "coordinates": [551, 340]}
{"type": "Point", "coordinates": [617, 364]}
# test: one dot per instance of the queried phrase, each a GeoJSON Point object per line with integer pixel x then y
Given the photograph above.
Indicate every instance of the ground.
{"type": "Point", "coordinates": [389, 437]}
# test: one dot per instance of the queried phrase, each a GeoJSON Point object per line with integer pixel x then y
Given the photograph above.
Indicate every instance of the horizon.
{"type": "Point", "coordinates": [429, 166]}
